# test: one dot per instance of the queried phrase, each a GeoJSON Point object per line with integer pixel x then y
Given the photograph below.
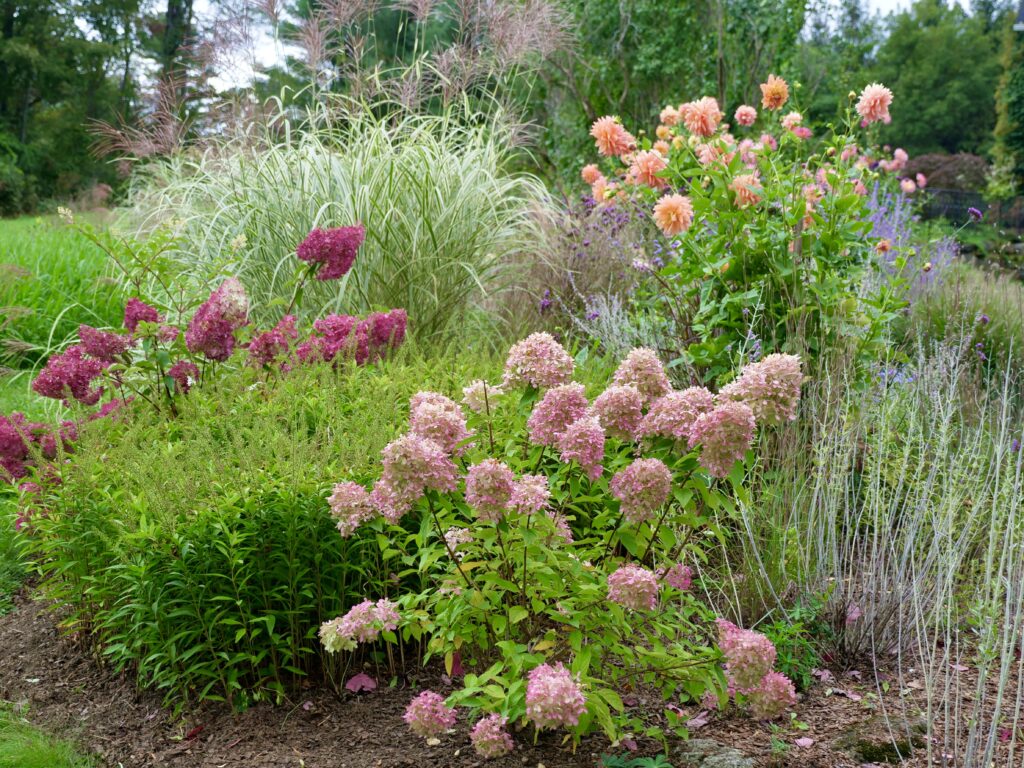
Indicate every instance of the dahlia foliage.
{"type": "Point", "coordinates": [557, 535]}
{"type": "Point", "coordinates": [763, 221]}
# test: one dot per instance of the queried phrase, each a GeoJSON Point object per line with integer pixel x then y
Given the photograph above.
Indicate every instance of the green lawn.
{"type": "Point", "coordinates": [51, 280]}
{"type": "Point", "coordinates": [24, 746]}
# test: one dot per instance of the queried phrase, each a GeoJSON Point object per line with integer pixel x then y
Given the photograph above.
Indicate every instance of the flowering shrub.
{"type": "Point", "coordinates": [765, 229]}
{"type": "Point", "coordinates": [554, 539]}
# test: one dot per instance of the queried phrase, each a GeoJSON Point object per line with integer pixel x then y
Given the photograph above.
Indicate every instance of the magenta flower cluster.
{"type": "Point", "coordinates": [23, 443]}
{"type": "Point", "coordinates": [136, 311]}
{"type": "Point", "coordinates": [749, 658]}
{"type": "Point", "coordinates": [364, 341]}
{"type": "Point", "coordinates": [427, 715]}
{"type": "Point", "coordinates": [332, 250]}
{"type": "Point", "coordinates": [362, 624]}
{"type": "Point", "coordinates": [272, 346]}
{"type": "Point", "coordinates": [103, 345]}
{"type": "Point", "coordinates": [633, 587]}
{"type": "Point", "coordinates": [642, 488]}
{"type": "Point", "coordinates": [69, 375]}
{"type": "Point", "coordinates": [538, 361]}
{"type": "Point", "coordinates": [211, 332]}
{"type": "Point", "coordinates": [553, 697]}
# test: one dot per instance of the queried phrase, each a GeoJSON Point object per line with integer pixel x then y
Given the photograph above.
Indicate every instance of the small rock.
{"type": "Point", "coordinates": [433, 741]}
{"type": "Point", "coordinates": [708, 753]}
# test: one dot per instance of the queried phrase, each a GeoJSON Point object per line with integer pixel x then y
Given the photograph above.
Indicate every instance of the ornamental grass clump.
{"type": "Point", "coordinates": [552, 544]}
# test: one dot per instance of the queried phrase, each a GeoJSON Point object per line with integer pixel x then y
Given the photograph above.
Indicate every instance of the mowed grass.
{"type": "Point", "coordinates": [51, 280]}
{"type": "Point", "coordinates": [24, 746]}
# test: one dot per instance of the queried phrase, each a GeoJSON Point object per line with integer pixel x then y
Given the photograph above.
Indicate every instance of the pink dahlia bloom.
{"type": "Point", "coordinates": [633, 587]}
{"type": "Point", "coordinates": [273, 345]}
{"type": "Point", "coordinates": [489, 487]}
{"type": "Point", "coordinates": [333, 249]}
{"type": "Point", "coordinates": [646, 167]}
{"type": "Point", "coordinates": [590, 174]}
{"type": "Point", "coordinates": [745, 115]}
{"type": "Point", "coordinates": [792, 120]}
{"type": "Point", "coordinates": [553, 697]}
{"type": "Point", "coordinates": [724, 435]}
{"type": "Point", "coordinates": [489, 737]}
{"type": "Point", "coordinates": [583, 442]}
{"type": "Point", "coordinates": [922, 180]}
{"type": "Point", "coordinates": [907, 186]}
{"type": "Point", "coordinates": [748, 189]}
{"type": "Point", "coordinates": [428, 716]}
{"type": "Point", "coordinates": [679, 576]}
{"type": "Point", "coordinates": [873, 104]}
{"type": "Point", "coordinates": [185, 374]}
{"type": "Point", "coordinates": [362, 624]}
{"type": "Point", "coordinates": [703, 116]}
{"type": "Point", "coordinates": [620, 411]}
{"type": "Point", "coordinates": [771, 387]}
{"type": "Point", "coordinates": [538, 361]}
{"type": "Point", "coordinates": [69, 376]}
{"type": "Point", "coordinates": [749, 655]}
{"type": "Point", "coordinates": [642, 487]}
{"type": "Point", "coordinates": [673, 414]}
{"type": "Point", "coordinates": [669, 116]}
{"type": "Point", "coordinates": [560, 407]}
{"type": "Point", "coordinates": [849, 153]}
{"type": "Point", "coordinates": [104, 345]}
{"type": "Point", "coordinates": [136, 311]}
{"type": "Point", "coordinates": [673, 214]}
{"type": "Point", "coordinates": [350, 504]}
{"type": "Point", "coordinates": [439, 418]}
{"type": "Point", "coordinates": [412, 465]}
{"type": "Point", "coordinates": [611, 139]}
{"type": "Point", "coordinates": [772, 697]}
{"type": "Point", "coordinates": [530, 494]}
{"type": "Point", "coordinates": [642, 369]}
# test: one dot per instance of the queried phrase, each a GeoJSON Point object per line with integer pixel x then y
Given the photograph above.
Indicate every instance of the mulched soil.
{"type": "Point", "coordinates": [68, 692]}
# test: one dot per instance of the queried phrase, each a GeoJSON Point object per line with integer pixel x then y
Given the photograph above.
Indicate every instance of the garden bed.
{"type": "Point", "coordinates": [67, 690]}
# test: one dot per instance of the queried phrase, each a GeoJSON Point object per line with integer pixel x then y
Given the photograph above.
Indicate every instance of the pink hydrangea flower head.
{"type": "Point", "coordinates": [412, 465]}
{"type": "Point", "coordinates": [490, 738]}
{"type": "Point", "coordinates": [774, 93]}
{"type": "Point", "coordinates": [560, 407]}
{"type": "Point", "coordinates": [633, 587]}
{"type": "Point", "coordinates": [749, 655]}
{"type": "Point", "coordinates": [185, 374]}
{"type": "Point", "coordinates": [642, 487]}
{"type": "Point", "coordinates": [771, 387]}
{"type": "Point", "coordinates": [530, 494]}
{"type": "Point", "coordinates": [489, 487]}
{"type": "Point", "coordinates": [427, 715]}
{"type": "Point", "coordinates": [350, 504]}
{"type": "Point", "coordinates": [620, 410]}
{"type": "Point", "coordinates": [270, 346]}
{"type": "Point", "coordinates": [562, 529]}
{"type": "Point", "coordinates": [703, 116]}
{"type": "Point", "coordinates": [590, 174]}
{"type": "Point", "coordinates": [480, 396]}
{"type": "Point", "coordinates": [439, 418]}
{"type": "Point", "coordinates": [642, 369]}
{"type": "Point", "coordinates": [553, 697]}
{"type": "Point", "coordinates": [673, 414]}
{"type": "Point", "coordinates": [456, 537]}
{"type": "Point", "coordinates": [362, 624]}
{"type": "Point", "coordinates": [211, 330]}
{"type": "Point", "coordinates": [231, 303]}
{"type": "Point", "coordinates": [772, 697]}
{"type": "Point", "coordinates": [673, 214]}
{"type": "Point", "coordinates": [136, 311]}
{"type": "Point", "coordinates": [745, 115]}
{"type": "Point", "coordinates": [69, 376]}
{"type": "Point", "coordinates": [747, 187]}
{"type": "Point", "coordinates": [104, 345]}
{"type": "Point", "coordinates": [724, 435]}
{"type": "Point", "coordinates": [610, 138]}
{"type": "Point", "coordinates": [538, 361]}
{"type": "Point", "coordinates": [583, 442]}
{"type": "Point", "coordinates": [333, 249]}
{"type": "Point", "coordinates": [679, 576]}
{"type": "Point", "coordinates": [646, 167]}
{"type": "Point", "coordinates": [873, 104]}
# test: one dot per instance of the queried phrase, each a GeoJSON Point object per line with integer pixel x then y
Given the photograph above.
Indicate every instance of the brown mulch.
{"type": "Point", "coordinates": [68, 692]}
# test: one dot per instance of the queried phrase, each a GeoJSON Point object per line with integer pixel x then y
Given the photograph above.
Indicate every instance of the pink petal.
{"type": "Point", "coordinates": [699, 721]}
{"type": "Point", "coordinates": [804, 742]}
{"type": "Point", "coordinates": [360, 682]}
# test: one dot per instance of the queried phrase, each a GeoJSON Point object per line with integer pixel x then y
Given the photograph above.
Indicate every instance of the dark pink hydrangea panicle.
{"type": "Point", "coordinates": [69, 376]}
{"type": "Point", "coordinates": [387, 329]}
{"type": "Point", "coordinates": [23, 442]}
{"type": "Point", "coordinates": [104, 345]}
{"type": "Point", "coordinates": [273, 345]}
{"type": "Point", "coordinates": [211, 332]}
{"type": "Point", "coordinates": [185, 374]}
{"type": "Point", "coordinates": [136, 311]}
{"type": "Point", "coordinates": [111, 408]}
{"type": "Point", "coordinates": [333, 249]}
